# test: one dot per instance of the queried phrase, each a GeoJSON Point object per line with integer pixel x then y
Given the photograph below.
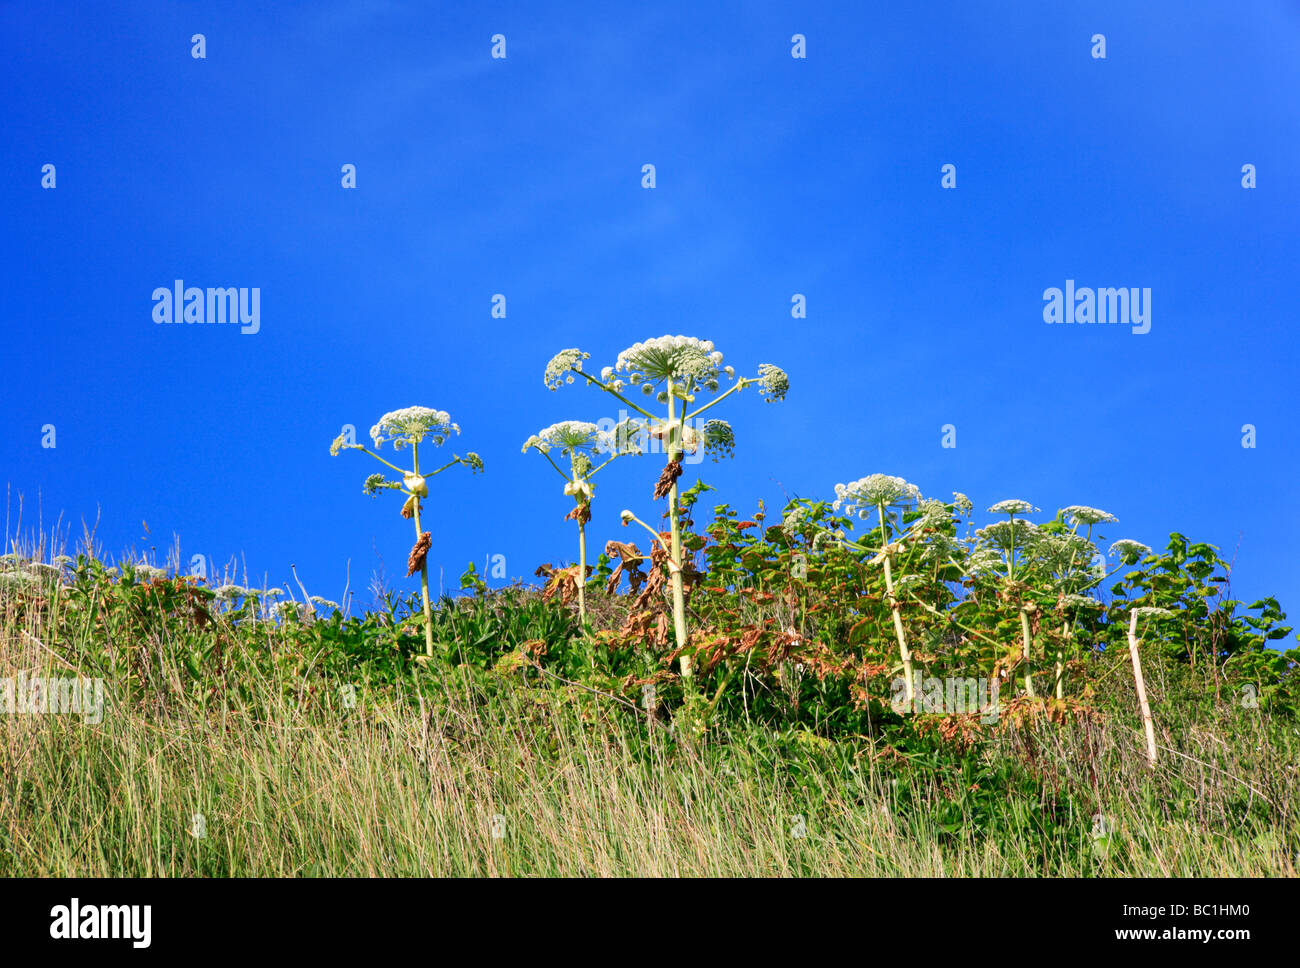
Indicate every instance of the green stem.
{"type": "Point", "coordinates": [1011, 555]}
{"type": "Point", "coordinates": [450, 463]}
{"type": "Point", "coordinates": [380, 459]}
{"type": "Point", "coordinates": [1068, 633]}
{"type": "Point", "coordinates": [675, 523]}
{"type": "Point", "coordinates": [903, 652]}
{"type": "Point", "coordinates": [743, 382]}
{"type": "Point", "coordinates": [582, 572]}
{"type": "Point", "coordinates": [582, 558]}
{"type": "Point", "coordinates": [1024, 630]}
{"type": "Point", "coordinates": [424, 565]}
{"type": "Point", "coordinates": [612, 392]}
{"type": "Point", "coordinates": [551, 462]}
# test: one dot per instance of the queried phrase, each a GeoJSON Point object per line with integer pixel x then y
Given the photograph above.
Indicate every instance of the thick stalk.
{"type": "Point", "coordinates": [675, 525]}
{"type": "Point", "coordinates": [1147, 726]}
{"type": "Point", "coordinates": [424, 565]}
{"type": "Point", "coordinates": [903, 652]}
{"type": "Point", "coordinates": [1024, 630]}
{"type": "Point", "coordinates": [1060, 666]}
{"type": "Point", "coordinates": [582, 571]}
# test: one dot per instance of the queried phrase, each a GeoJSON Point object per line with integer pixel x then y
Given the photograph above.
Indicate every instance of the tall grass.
{"type": "Point", "coordinates": [453, 771]}
{"type": "Point", "coordinates": [538, 782]}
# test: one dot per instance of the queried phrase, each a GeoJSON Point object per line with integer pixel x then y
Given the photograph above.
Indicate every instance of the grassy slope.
{"type": "Point", "coordinates": [417, 777]}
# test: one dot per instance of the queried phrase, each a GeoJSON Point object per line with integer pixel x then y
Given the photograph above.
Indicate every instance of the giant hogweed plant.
{"type": "Point", "coordinates": [880, 493]}
{"type": "Point", "coordinates": [582, 444]}
{"type": "Point", "coordinates": [676, 371]}
{"type": "Point", "coordinates": [411, 427]}
{"type": "Point", "coordinates": [1034, 569]}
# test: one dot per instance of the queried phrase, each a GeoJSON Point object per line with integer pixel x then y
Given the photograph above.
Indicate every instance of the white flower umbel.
{"type": "Point", "coordinates": [1130, 552]}
{"type": "Point", "coordinates": [581, 443]}
{"type": "Point", "coordinates": [1067, 556]}
{"type": "Point", "coordinates": [674, 370]}
{"type": "Point", "coordinates": [1006, 535]}
{"type": "Point", "coordinates": [870, 493]}
{"type": "Point", "coordinates": [411, 427]}
{"type": "Point", "coordinates": [1081, 514]}
{"type": "Point", "coordinates": [1012, 507]}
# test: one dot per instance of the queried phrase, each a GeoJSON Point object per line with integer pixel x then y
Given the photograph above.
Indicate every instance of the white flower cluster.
{"type": "Point", "coordinates": [1013, 507]}
{"type": "Point", "coordinates": [869, 493]}
{"type": "Point", "coordinates": [800, 522]}
{"type": "Point", "coordinates": [1130, 552]}
{"type": "Point", "coordinates": [718, 438]}
{"type": "Point", "coordinates": [411, 425]}
{"type": "Point", "coordinates": [1065, 552]}
{"type": "Point", "coordinates": [559, 370]}
{"type": "Point", "coordinates": [773, 383]}
{"type": "Point", "coordinates": [1079, 601]}
{"type": "Point", "coordinates": [1081, 514]}
{"type": "Point", "coordinates": [286, 610]}
{"type": "Point", "coordinates": [1152, 611]}
{"type": "Point", "coordinates": [791, 523]}
{"type": "Point", "coordinates": [934, 513]}
{"type": "Point", "coordinates": [1005, 537]}
{"type": "Point", "coordinates": [376, 483]}
{"type": "Point", "coordinates": [908, 583]}
{"type": "Point", "coordinates": [679, 358]}
{"type": "Point", "coordinates": [567, 436]}
{"type": "Point", "coordinates": [984, 561]}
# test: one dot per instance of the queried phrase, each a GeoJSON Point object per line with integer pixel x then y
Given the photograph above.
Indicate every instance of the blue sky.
{"type": "Point", "coordinates": [522, 176]}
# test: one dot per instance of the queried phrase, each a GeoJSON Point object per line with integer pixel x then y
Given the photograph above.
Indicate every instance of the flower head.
{"type": "Point", "coordinates": [412, 425]}
{"type": "Point", "coordinates": [1065, 552]}
{"type": "Point", "coordinates": [718, 438]}
{"type": "Point", "coordinates": [624, 438]}
{"type": "Point", "coordinates": [1003, 536]}
{"type": "Point", "coordinates": [1079, 601]}
{"type": "Point", "coordinates": [934, 513]}
{"type": "Point", "coordinates": [1081, 514]}
{"type": "Point", "coordinates": [681, 359]}
{"type": "Point", "coordinates": [871, 492]}
{"type": "Point", "coordinates": [772, 382]}
{"type": "Point", "coordinates": [559, 370]}
{"type": "Point", "coordinates": [569, 437]}
{"type": "Point", "coordinates": [1130, 552]}
{"type": "Point", "coordinates": [376, 483]}
{"type": "Point", "coordinates": [1013, 507]}
{"type": "Point", "coordinates": [1152, 611]}
{"type": "Point", "coordinates": [984, 561]}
